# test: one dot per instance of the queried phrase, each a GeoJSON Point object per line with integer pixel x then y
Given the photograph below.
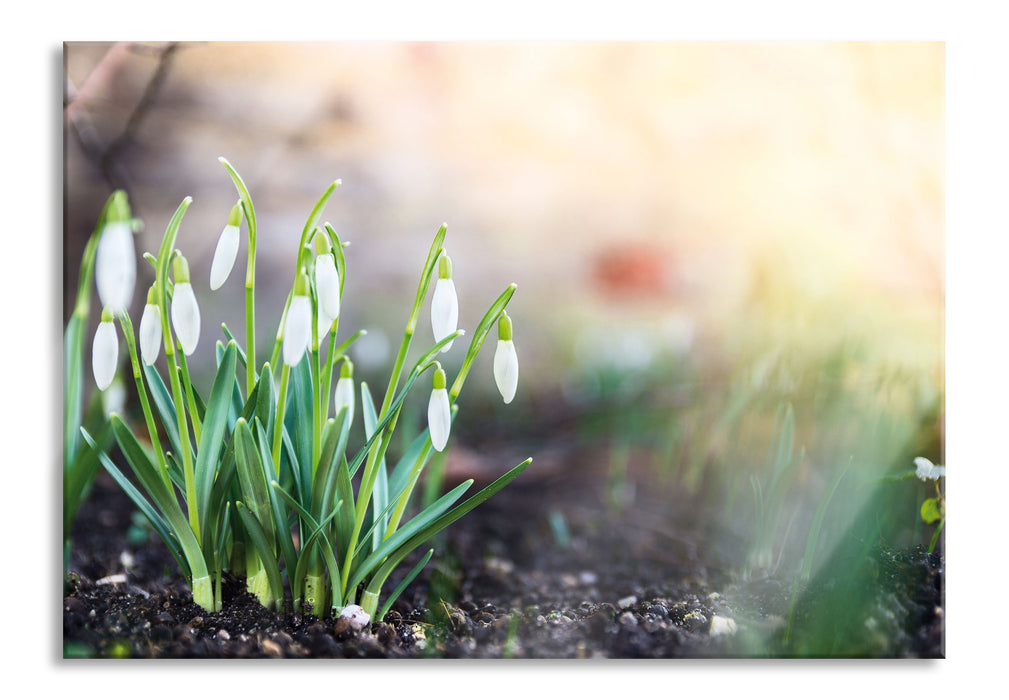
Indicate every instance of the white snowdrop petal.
{"type": "Point", "coordinates": [116, 266]}
{"type": "Point", "coordinates": [297, 329]}
{"type": "Point", "coordinates": [224, 256]}
{"type": "Point", "coordinates": [344, 395]}
{"type": "Point", "coordinates": [925, 469]}
{"type": "Point", "coordinates": [105, 354]}
{"type": "Point", "coordinates": [506, 369]}
{"type": "Point", "coordinates": [444, 311]}
{"type": "Point", "coordinates": [327, 284]}
{"type": "Point", "coordinates": [186, 317]}
{"type": "Point", "coordinates": [439, 418]}
{"type": "Point", "coordinates": [150, 334]}
{"type": "Point", "coordinates": [323, 325]}
{"type": "Point", "coordinates": [114, 398]}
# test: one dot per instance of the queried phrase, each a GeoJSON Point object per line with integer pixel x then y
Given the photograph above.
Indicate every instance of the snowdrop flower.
{"type": "Point", "coordinates": [227, 250]}
{"type": "Point", "coordinates": [185, 310]}
{"type": "Point", "coordinates": [344, 396]}
{"type": "Point", "coordinates": [114, 398]}
{"type": "Point", "coordinates": [327, 280]}
{"type": "Point", "coordinates": [298, 324]}
{"type": "Point", "coordinates": [925, 470]}
{"type": "Point", "coordinates": [506, 360]}
{"type": "Point", "coordinates": [439, 413]}
{"type": "Point", "coordinates": [150, 329]}
{"type": "Point", "coordinates": [105, 351]}
{"type": "Point", "coordinates": [444, 304]}
{"type": "Point", "coordinates": [116, 266]}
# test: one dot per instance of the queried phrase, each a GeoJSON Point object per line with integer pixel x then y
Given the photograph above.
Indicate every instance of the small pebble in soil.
{"type": "Point", "coordinates": [627, 602]}
{"type": "Point", "coordinates": [722, 625]}
{"type": "Point", "coordinates": [356, 617]}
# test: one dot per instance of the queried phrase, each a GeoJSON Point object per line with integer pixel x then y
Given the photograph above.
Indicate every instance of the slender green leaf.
{"type": "Point", "coordinates": [418, 524]}
{"type": "Point", "coordinates": [165, 407]}
{"type": "Point", "coordinates": [380, 490]}
{"type": "Point", "coordinates": [314, 217]}
{"type": "Point", "coordinates": [444, 521]}
{"type": "Point", "coordinates": [73, 387]}
{"type": "Point", "coordinates": [253, 482]}
{"type": "Point", "coordinates": [214, 428]}
{"type": "Point", "coordinates": [403, 584]}
{"type": "Point", "coordinates": [281, 523]}
{"type": "Point", "coordinates": [158, 522]}
{"type": "Point", "coordinates": [263, 548]}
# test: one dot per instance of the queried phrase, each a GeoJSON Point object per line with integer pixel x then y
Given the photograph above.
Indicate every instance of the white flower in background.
{"type": "Point", "coordinates": [344, 395]}
{"type": "Point", "coordinates": [150, 329]}
{"type": "Point", "coordinates": [298, 324]}
{"type": "Point", "coordinates": [327, 279]}
{"type": "Point", "coordinates": [105, 351]}
{"type": "Point", "coordinates": [227, 250]}
{"type": "Point", "coordinates": [444, 304]}
{"type": "Point", "coordinates": [439, 413]}
{"type": "Point", "coordinates": [185, 310]}
{"type": "Point", "coordinates": [114, 398]}
{"type": "Point", "coordinates": [506, 360]}
{"type": "Point", "coordinates": [925, 470]}
{"type": "Point", "coordinates": [116, 266]}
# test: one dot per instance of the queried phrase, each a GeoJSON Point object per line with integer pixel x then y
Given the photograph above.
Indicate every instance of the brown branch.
{"type": "Point", "coordinates": [106, 160]}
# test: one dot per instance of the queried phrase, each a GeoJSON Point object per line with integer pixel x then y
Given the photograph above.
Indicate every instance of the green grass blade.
{"type": "Point", "coordinates": [418, 524]}
{"type": "Point", "coordinates": [316, 214]}
{"type": "Point", "coordinates": [165, 407]}
{"type": "Point", "coordinates": [251, 478]}
{"type": "Point", "coordinates": [280, 519]}
{"type": "Point", "coordinates": [73, 387]}
{"type": "Point", "coordinates": [158, 522]}
{"type": "Point", "coordinates": [407, 580]}
{"type": "Point", "coordinates": [380, 489]}
{"type": "Point", "coordinates": [444, 521]}
{"type": "Point", "coordinates": [146, 472]}
{"type": "Point", "coordinates": [263, 548]}
{"type": "Point", "coordinates": [411, 461]}
{"type": "Point", "coordinates": [214, 429]}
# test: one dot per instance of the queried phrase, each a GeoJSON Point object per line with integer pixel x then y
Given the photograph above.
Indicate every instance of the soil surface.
{"type": "Point", "coordinates": [547, 568]}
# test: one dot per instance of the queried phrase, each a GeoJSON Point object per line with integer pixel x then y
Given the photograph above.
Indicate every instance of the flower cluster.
{"type": "Point", "coordinates": [244, 462]}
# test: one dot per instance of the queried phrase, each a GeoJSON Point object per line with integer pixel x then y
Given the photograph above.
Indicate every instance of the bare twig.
{"type": "Point", "coordinates": [107, 159]}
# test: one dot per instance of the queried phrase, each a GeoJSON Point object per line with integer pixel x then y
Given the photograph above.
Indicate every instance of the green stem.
{"type": "Point", "coordinates": [278, 426]}
{"type": "Point", "coordinates": [187, 457]}
{"type": "Point", "coordinates": [327, 370]}
{"type": "Point", "coordinates": [317, 397]}
{"type": "Point", "coordinates": [250, 327]}
{"type": "Point", "coordinates": [190, 398]}
{"type": "Point", "coordinates": [127, 327]}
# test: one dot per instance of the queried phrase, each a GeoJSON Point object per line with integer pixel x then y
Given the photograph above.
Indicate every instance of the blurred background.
{"type": "Point", "coordinates": [706, 237]}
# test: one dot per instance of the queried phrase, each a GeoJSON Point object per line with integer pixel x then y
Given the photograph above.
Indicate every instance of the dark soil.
{"type": "Point", "coordinates": [545, 569]}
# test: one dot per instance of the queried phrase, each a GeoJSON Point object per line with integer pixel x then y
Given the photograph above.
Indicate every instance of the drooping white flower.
{"type": "Point", "coordinates": [323, 325]}
{"type": "Point", "coordinates": [227, 250]}
{"type": "Point", "coordinates": [298, 324]}
{"type": "Point", "coordinates": [344, 395]}
{"type": "Point", "coordinates": [506, 360]}
{"type": "Point", "coordinates": [150, 330]}
{"type": "Point", "coordinates": [439, 412]}
{"type": "Point", "coordinates": [105, 351]}
{"type": "Point", "coordinates": [116, 266]}
{"type": "Point", "coordinates": [444, 304]}
{"type": "Point", "coordinates": [185, 310]}
{"type": "Point", "coordinates": [925, 470]}
{"type": "Point", "coordinates": [327, 286]}
{"type": "Point", "coordinates": [114, 398]}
